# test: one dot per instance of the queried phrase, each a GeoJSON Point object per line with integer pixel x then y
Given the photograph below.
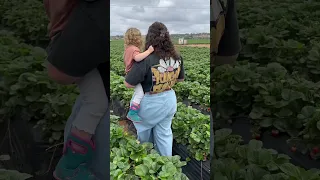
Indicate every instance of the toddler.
{"type": "Point", "coordinates": [133, 43]}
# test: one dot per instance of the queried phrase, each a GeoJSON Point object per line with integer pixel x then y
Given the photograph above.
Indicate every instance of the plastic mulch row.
{"type": "Point", "coordinates": [195, 170]}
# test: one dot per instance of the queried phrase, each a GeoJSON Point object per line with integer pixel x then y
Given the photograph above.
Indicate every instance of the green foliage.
{"type": "Point", "coordinates": [132, 160]}
{"type": "Point", "coordinates": [192, 129]}
{"type": "Point", "coordinates": [276, 81]}
{"type": "Point", "coordinates": [13, 175]}
{"type": "Point", "coordinates": [286, 32]}
{"type": "Point", "coordinates": [271, 97]}
{"type": "Point", "coordinates": [26, 89]}
{"type": "Point", "coordinates": [27, 19]}
{"type": "Point", "coordinates": [252, 161]}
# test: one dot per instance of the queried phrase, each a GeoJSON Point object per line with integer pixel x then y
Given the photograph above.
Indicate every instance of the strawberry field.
{"type": "Point", "coordinates": [272, 94]}
{"type": "Point", "coordinates": [33, 109]}
{"type": "Point", "coordinates": [191, 124]}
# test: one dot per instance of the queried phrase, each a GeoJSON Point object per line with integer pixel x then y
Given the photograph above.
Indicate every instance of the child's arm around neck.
{"type": "Point", "coordinates": [141, 56]}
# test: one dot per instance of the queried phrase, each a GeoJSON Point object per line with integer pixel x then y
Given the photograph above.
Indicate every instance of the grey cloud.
{"type": "Point", "coordinates": [138, 9]}
{"type": "Point", "coordinates": [135, 3]}
{"type": "Point", "coordinates": [180, 16]}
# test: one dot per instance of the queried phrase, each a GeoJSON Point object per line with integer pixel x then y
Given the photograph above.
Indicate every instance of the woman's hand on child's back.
{"type": "Point", "coordinates": [150, 49]}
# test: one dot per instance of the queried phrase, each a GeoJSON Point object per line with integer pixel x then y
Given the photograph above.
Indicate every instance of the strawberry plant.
{"type": "Point", "coordinates": [271, 96]}
{"type": "Point", "coordinates": [286, 32]}
{"type": "Point", "coordinates": [235, 161]}
{"type": "Point", "coordinates": [191, 128]}
{"type": "Point", "coordinates": [118, 89]}
{"type": "Point", "coordinates": [132, 160]}
{"type": "Point", "coordinates": [27, 19]}
{"type": "Point", "coordinates": [276, 84]}
{"type": "Point", "coordinates": [26, 89]}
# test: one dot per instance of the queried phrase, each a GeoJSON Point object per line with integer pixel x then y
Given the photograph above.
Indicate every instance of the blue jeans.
{"type": "Point", "coordinates": [100, 163]}
{"type": "Point", "coordinates": [156, 112]}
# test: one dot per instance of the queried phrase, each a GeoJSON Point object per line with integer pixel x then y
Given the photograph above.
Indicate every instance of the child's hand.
{"type": "Point", "coordinates": [150, 49]}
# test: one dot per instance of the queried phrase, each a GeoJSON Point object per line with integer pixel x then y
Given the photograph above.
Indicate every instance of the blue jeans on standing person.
{"type": "Point", "coordinates": [156, 113]}
{"type": "Point", "coordinates": [101, 157]}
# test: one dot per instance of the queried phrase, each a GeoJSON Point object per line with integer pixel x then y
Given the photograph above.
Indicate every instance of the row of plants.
{"type": "Point", "coordinates": [191, 91]}
{"type": "Point", "coordinates": [190, 127]}
{"type": "Point", "coordinates": [234, 160]}
{"type": "Point", "coordinates": [276, 85]}
{"type": "Point", "coordinates": [194, 60]}
{"type": "Point", "coordinates": [286, 32]}
{"type": "Point", "coordinates": [26, 90]}
{"type": "Point", "coordinates": [27, 19]}
{"type": "Point", "coordinates": [131, 160]}
{"type": "Point", "coordinates": [274, 100]}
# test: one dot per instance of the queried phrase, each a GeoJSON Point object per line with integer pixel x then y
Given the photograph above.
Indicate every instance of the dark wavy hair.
{"type": "Point", "coordinates": [158, 36]}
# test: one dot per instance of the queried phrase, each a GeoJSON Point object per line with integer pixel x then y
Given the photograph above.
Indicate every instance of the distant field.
{"type": "Point", "coordinates": [194, 41]}
{"type": "Point", "coordinates": [117, 41]}
{"type": "Point", "coordinates": [190, 41]}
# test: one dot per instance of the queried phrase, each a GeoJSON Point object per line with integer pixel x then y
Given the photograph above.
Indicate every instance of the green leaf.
{"type": "Point", "coordinates": [147, 161]}
{"type": "Point", "coordinates": [266, 122]}
{"type": "Point", "coordinates": [290, 170]}
{"type": "Point", "coordinates": [290, 95]}
{"type": "Point", "coordinates": [254, 172]}
{"type": "Point", "coordinates": [318, 125]}
{"type": "Point", "coordinates": [255, 144]}
{"type": "Point", "coordinates": [282, 158]}
{"type": "Point", "coordinates": [221, 134]}
{"type": "Point", "coordinates": [272, 166]}
{"type": "Point", "coordinates": [141, 170]}
{"type": "Point", "coordinates": [256, 114]}
{"type": "Point", "coordinates": [308, 111]}
{"type": "Point", "coordinates": [259, 157]}
{"type": "Point", "coordinates": [168, 170]}
{"type": "Point", "coordinates": [56, 135]}
{"type": "Point", "coordinates": [284, 112]}
{"type": "Point", "coordinates": [14, 175]}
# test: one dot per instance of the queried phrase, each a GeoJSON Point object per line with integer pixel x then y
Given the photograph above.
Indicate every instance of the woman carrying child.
{"type": "Point", "coordinates": [133, 44]}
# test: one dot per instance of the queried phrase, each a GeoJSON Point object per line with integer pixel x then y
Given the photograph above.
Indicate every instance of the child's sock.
{"type": "Point", "coordinates": [133, 112]}
{"type": "Point", "coordinates": [83, 135]}
{"type": "Point", "coordinates": [134, 106]}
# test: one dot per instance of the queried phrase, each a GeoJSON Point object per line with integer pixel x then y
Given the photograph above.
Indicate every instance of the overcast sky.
{"type": "Point", "coordinates": [180, 16]}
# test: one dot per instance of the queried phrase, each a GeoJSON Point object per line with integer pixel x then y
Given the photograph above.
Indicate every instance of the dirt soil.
{"type": "Point", "coordinates": [195, 45]}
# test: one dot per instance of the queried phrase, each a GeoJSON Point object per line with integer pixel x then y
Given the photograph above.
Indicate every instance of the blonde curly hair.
{"type": "Point", "coordinates": [133, 37]}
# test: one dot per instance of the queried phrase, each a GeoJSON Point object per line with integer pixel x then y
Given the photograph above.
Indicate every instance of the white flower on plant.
{"type": "Point", "coordinates": [168, 65]}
